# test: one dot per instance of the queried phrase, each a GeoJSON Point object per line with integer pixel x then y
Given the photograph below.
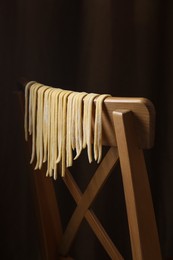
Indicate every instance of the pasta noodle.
{"type": "Point", "coordinates": [60, 121]}
{"type": "Point", "coordinates": [55, 134]}
{"type": "Point", "coordinates": [78, 123]}
{"type": "Point", "coordinates": [87, 123]}
{"type": "Point", "coordinates": [28, 85]}
{"type": "Point", "coordinates": [32, 109]}
{"type": "Point", "coordinates": [63, 135]}
{"type": "Point", "coordinates": [70, 130]}
{"type": "Point", "coordinates": [98, 128]}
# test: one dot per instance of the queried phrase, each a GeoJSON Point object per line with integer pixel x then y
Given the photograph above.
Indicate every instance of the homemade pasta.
{"type": "Point", "coordinates": [60, 121]}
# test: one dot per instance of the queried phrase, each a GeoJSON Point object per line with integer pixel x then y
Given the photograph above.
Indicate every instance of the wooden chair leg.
{"type": "Point", "coordinates": [140, 212]}
{"type": "Point", "coordinates": [48, 215]}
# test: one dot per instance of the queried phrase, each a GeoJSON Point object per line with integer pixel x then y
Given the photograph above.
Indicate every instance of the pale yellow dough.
{"type": "Point", "coordinates": [60, 121]}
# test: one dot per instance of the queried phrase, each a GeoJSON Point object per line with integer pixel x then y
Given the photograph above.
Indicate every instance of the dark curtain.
{"type": "Point", "coordinates": [106, 46]}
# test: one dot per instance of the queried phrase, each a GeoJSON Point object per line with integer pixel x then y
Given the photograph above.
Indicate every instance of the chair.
{"type": "Point", "coordinates": [128, 128]}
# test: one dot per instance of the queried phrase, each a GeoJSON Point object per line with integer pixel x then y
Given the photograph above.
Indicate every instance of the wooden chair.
{"type": "Point", "coordinates": [128, 128]}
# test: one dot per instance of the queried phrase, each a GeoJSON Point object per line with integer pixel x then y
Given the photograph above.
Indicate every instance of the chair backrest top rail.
{"type": "Point", "coordinates": [144, 119]}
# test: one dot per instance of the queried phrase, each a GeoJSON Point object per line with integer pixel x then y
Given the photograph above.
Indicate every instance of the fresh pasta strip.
{"type": "Point", "coordinates": [62, 130]}
{"type": "Point", "coordinates": [49, 131]}
{"type": "Point", "coordinates": [70, 130]}
{"type": "Point", "coordinates": [84, 122]}
{"type": "Point", "coordinates": [46, 122]}
{"type": "Point", "coordinates": [88, 105]}
{"type": "Point", "coordinates": [33, 104]}
{"type": "Point", "coordinates": [60, 125]}
{"type": "Point", "coordinates": [27, 87]}
{"type": "Point", "coordinates": [73, 121]}
{"type": "Point", "coordinates": [39, 127]}
{"type": "Point", "coordinates": [64, 113]}
{"type": "Point", "coordinates": [51, 136]}
{"type": "Point", "coordinates": [98, 128]}
{"type": "Point", "coordinates": [53, 132]}
{"type": "Point", "coordinates": [30, 108]}
{"type": "Point", "coordinates": [78, 123]}
{"type": "Point", "coordinates": [49, 166]}
{"type": "Point", "coordinates": [46, 127]}
{"type": "Point", "coordinates": [55, 128]}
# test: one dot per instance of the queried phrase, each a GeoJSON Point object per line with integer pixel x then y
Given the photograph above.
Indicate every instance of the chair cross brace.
{"type": "Point", "coordinates": [82, 210]}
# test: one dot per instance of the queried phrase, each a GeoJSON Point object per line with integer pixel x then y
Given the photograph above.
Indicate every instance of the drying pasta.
{"type": "Point", "coordinates": [60, 121]}
{"type": "Point", "coordinates": [78, 123]}
{"type": "Point", "coordinates": [27, 87]}
{"type": "Point", "coordinates": [87, 123]}
{"type": "Point", "coordinates": [70, 130]}
{"type": "Point", "coordinates": [32, 108]}
{"type": "Point", "coordinates": [98, 128]}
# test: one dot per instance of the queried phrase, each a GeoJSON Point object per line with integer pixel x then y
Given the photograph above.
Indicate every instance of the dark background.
{"type": "Point", "coordinates": [124, 48]}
